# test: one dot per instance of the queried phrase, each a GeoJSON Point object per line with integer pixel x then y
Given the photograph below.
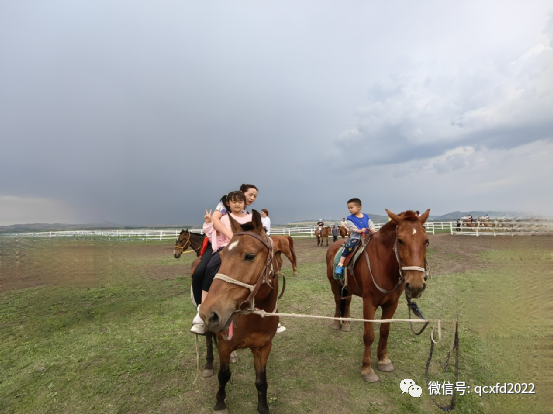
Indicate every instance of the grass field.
{"type": "Point", "coordinates": [99, 326]}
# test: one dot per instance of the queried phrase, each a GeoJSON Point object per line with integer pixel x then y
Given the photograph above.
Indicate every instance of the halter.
{"type": "Point", "coordinates": [184, 247]}
{"type": "Point", "coordinates": [401, 268]}
{"type": "Point", "coordinates": [263, 277]}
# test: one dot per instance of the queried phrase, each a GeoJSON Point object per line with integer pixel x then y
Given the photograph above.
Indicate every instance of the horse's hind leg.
{"type": "Point", "coordinates": [288, 254]}
{"type": "Point", "coordinates": [345, 305]}
{"type": "Point", "coordinates": [384, 363]}
{"type": "Point", "coordinates": [208, 370]}
{"type": "Point", "coordinates": [260, 356]}
{"type": "Point", "coordinates": [336, 290]}
{"type": "Point", "coordinates": [224, 377]}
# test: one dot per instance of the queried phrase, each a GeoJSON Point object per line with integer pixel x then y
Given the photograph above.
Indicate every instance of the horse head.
{"type": "Point", "coordinates": [410, 245]}
{"type": "Point", "coordinates": [183, 243]}
{"type": "Point", "coordinates": [244, 271]}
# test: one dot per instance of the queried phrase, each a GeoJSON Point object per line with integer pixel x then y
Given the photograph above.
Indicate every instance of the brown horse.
{"type": "Point", "coordinates": [326, 231]}
{"type": "Point", "coordinates": [244, 277]}
{"type": "Point", "coordinates": [284, 244]}
{"type": "Point", "coordinates": [394, 260]}
{"type": "Point", "coordinates": [187, 240]}
{"type": "Point", "coordinates": [344, 232]}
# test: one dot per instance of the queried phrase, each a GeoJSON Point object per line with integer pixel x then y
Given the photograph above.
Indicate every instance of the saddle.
{"type": "Point", "coordinates": [351, 258]}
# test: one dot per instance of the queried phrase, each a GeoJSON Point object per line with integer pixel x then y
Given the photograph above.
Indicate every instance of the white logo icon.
{"type": "Point", "coordinates": [408, 385]}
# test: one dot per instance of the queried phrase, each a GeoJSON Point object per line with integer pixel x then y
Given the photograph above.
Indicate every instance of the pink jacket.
{"type": "Point", "coordinates": [219, 240]}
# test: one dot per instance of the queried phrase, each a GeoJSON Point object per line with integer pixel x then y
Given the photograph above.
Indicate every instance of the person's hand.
{"type": "Point", "coordinates": [208, 215]}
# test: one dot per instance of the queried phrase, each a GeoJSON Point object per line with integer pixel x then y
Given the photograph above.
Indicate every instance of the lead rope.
{"type": "Point", "coordinates": [454, 347]}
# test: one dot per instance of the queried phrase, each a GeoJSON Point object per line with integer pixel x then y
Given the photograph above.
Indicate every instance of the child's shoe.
{"type": "Point", "coordinates": [339, 269]}
{"type": "Point", "coordinates": [280, 328]}
{"type": "Point", "coordinates": [198, 326]}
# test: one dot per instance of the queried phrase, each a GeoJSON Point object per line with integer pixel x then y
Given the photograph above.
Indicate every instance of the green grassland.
{"type": "Point", "coordinates": [119, 341]}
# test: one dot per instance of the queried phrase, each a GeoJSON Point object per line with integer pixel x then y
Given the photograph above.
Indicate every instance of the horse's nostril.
{"type": "Point", "coordinates": [406, 285]}
{"type": "Point", "coordinates": [213, 318]}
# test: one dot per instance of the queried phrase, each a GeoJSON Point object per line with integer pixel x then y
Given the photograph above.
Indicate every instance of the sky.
{"type": "Point", "coordinates": [146, 113]}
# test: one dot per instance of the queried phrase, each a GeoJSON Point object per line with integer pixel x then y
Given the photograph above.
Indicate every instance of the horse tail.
{"type": "Point", "coordinates": [291, 241]}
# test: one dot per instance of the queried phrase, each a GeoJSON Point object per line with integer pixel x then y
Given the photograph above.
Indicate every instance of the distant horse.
{"type": "Point", "coordinates": [284, 244]}
{"type": "Point", "coordinates": [394, 260]}
{"type": "Point", "coordinates": [326, 231]}
{"type": "Point", "coordinates": [187, 240]}
{"type": "Point", "coordinates": [245, 276]}
{"type": "Point", "coordinates": [344, 232]}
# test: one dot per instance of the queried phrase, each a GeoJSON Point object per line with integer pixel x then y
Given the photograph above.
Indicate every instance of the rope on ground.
{"type": "Point", "coordinates": [197, 360]}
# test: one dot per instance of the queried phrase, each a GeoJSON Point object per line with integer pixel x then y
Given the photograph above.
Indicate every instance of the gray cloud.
{"type": "Point", "coordinates": [143, 113]}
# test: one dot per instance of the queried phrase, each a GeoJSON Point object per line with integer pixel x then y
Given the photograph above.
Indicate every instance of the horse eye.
{"type": "Point", "coordinates": [400, 241]}
{"type": "Point", "coordinates": [249, 257]}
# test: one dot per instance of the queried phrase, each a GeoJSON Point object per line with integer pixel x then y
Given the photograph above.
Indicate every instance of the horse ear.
{"type": "Point", "coordinates": [395, 218]}
{"type": "Point", "coordinates": [424, 217]}
{"type": "Point", "coordinates": [234, 225]}
{"type": "Point", "coordinates": [256, 221]}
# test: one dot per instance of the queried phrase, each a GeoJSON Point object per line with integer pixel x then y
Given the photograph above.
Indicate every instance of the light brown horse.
{"type": "Point", "coordinates": [382, 282]}
{"type": "Point", "coordinates": [284, 244]}
{"type": "Point", "coordinates": [344, 232]}
{"type": "Point", "coordinates": [325, 232]}
{"type": "Point", "coordinates": [245, 276]}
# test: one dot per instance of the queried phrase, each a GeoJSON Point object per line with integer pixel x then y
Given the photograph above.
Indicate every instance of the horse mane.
{"type": "Point", "coordinates": [390, 226]}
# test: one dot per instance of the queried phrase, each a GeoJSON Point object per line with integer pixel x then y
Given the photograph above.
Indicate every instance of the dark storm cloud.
{"type": "Point", "coordinates": [146, 113]}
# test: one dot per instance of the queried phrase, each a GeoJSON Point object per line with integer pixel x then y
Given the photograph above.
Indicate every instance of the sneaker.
{"type": "Point", "coordinates": [197, 320]}
{"type": "Point", "coordinates": [339, 269]}
{"type": "Point", "coordinates": [280, 328]}
{"type": "Point", "coordinates": [198, 329]}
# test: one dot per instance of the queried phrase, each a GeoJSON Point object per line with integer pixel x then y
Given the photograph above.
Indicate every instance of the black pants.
{"type": "Point", "coordinates": [199, 274]}
{"type": "Point", "coordinates": [334, 238]}
{"type": "Point", "coordinates": [211, 270]}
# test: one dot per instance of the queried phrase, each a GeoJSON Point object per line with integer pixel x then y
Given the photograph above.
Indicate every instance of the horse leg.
{"type": "Point", "coordinates": [224, 377]}
{"type": "Point", "coordinates": [327, 240]}
{"type": "Point", "coordinates": [384, 363]}
{"type": "Point", "coordinates": [368, 338]}
{"type": "Point", "coordinates": [208, 370]}
{"type": "Point", "coordinates": [260, 356]}
{"type": "Point", "coordinates": [278, 260]}
{"type": "Point", "coordinates": [336, 290]}
{"type": "Point", "coordinates": [288, 254]}
{"type": "Point", "coordinates": [346, 325]}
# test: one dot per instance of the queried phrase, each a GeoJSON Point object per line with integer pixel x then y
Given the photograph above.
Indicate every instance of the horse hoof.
{"type": "Point", "coordinates": [346, 328]}
{"type": "Point", "coordinates": [336, 326]}
{"type": "Point", "coordinates": [206, 373]}
{"type": "Point", "coordinates": [224, 411]}
{"type": "Point", "coordinates": [295, 273]}
{"type": "Point", "coordinates": [233, 357]}
{"type": "Point", "coordinates": [371, 377]}
{"type": "Point", "coordinates": [385, 367]}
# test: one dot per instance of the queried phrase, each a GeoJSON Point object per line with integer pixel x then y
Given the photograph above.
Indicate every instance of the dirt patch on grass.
{"type": "Point", "coordinates": [31, 263]}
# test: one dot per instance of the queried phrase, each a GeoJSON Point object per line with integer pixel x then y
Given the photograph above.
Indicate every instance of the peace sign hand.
{"type": "Point", "coordinates": [208, 215]}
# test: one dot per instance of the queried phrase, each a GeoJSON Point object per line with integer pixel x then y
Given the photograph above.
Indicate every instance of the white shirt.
{"type": "Point", "coordinates": [266, 221]}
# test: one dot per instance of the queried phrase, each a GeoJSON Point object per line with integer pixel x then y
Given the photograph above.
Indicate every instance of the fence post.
{"type": "Point", "coordinates": [160, 234]}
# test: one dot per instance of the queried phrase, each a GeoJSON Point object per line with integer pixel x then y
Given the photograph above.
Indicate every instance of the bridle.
{"type": "Point", "coordinates": [263, 278]}
{"type": "Point", "coordinates": [401, 268]}
{"type": "Point", "coordinates": [184, 246]}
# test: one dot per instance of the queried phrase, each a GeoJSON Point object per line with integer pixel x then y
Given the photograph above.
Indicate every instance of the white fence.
{"type": "Point", "coordinates": [502, 228]}
{"type": "Point", "coordinates": [478, 229]}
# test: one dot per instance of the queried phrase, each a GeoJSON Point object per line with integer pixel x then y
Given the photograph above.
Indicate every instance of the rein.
{"type": "Point", "coordinates": [264, 277]}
